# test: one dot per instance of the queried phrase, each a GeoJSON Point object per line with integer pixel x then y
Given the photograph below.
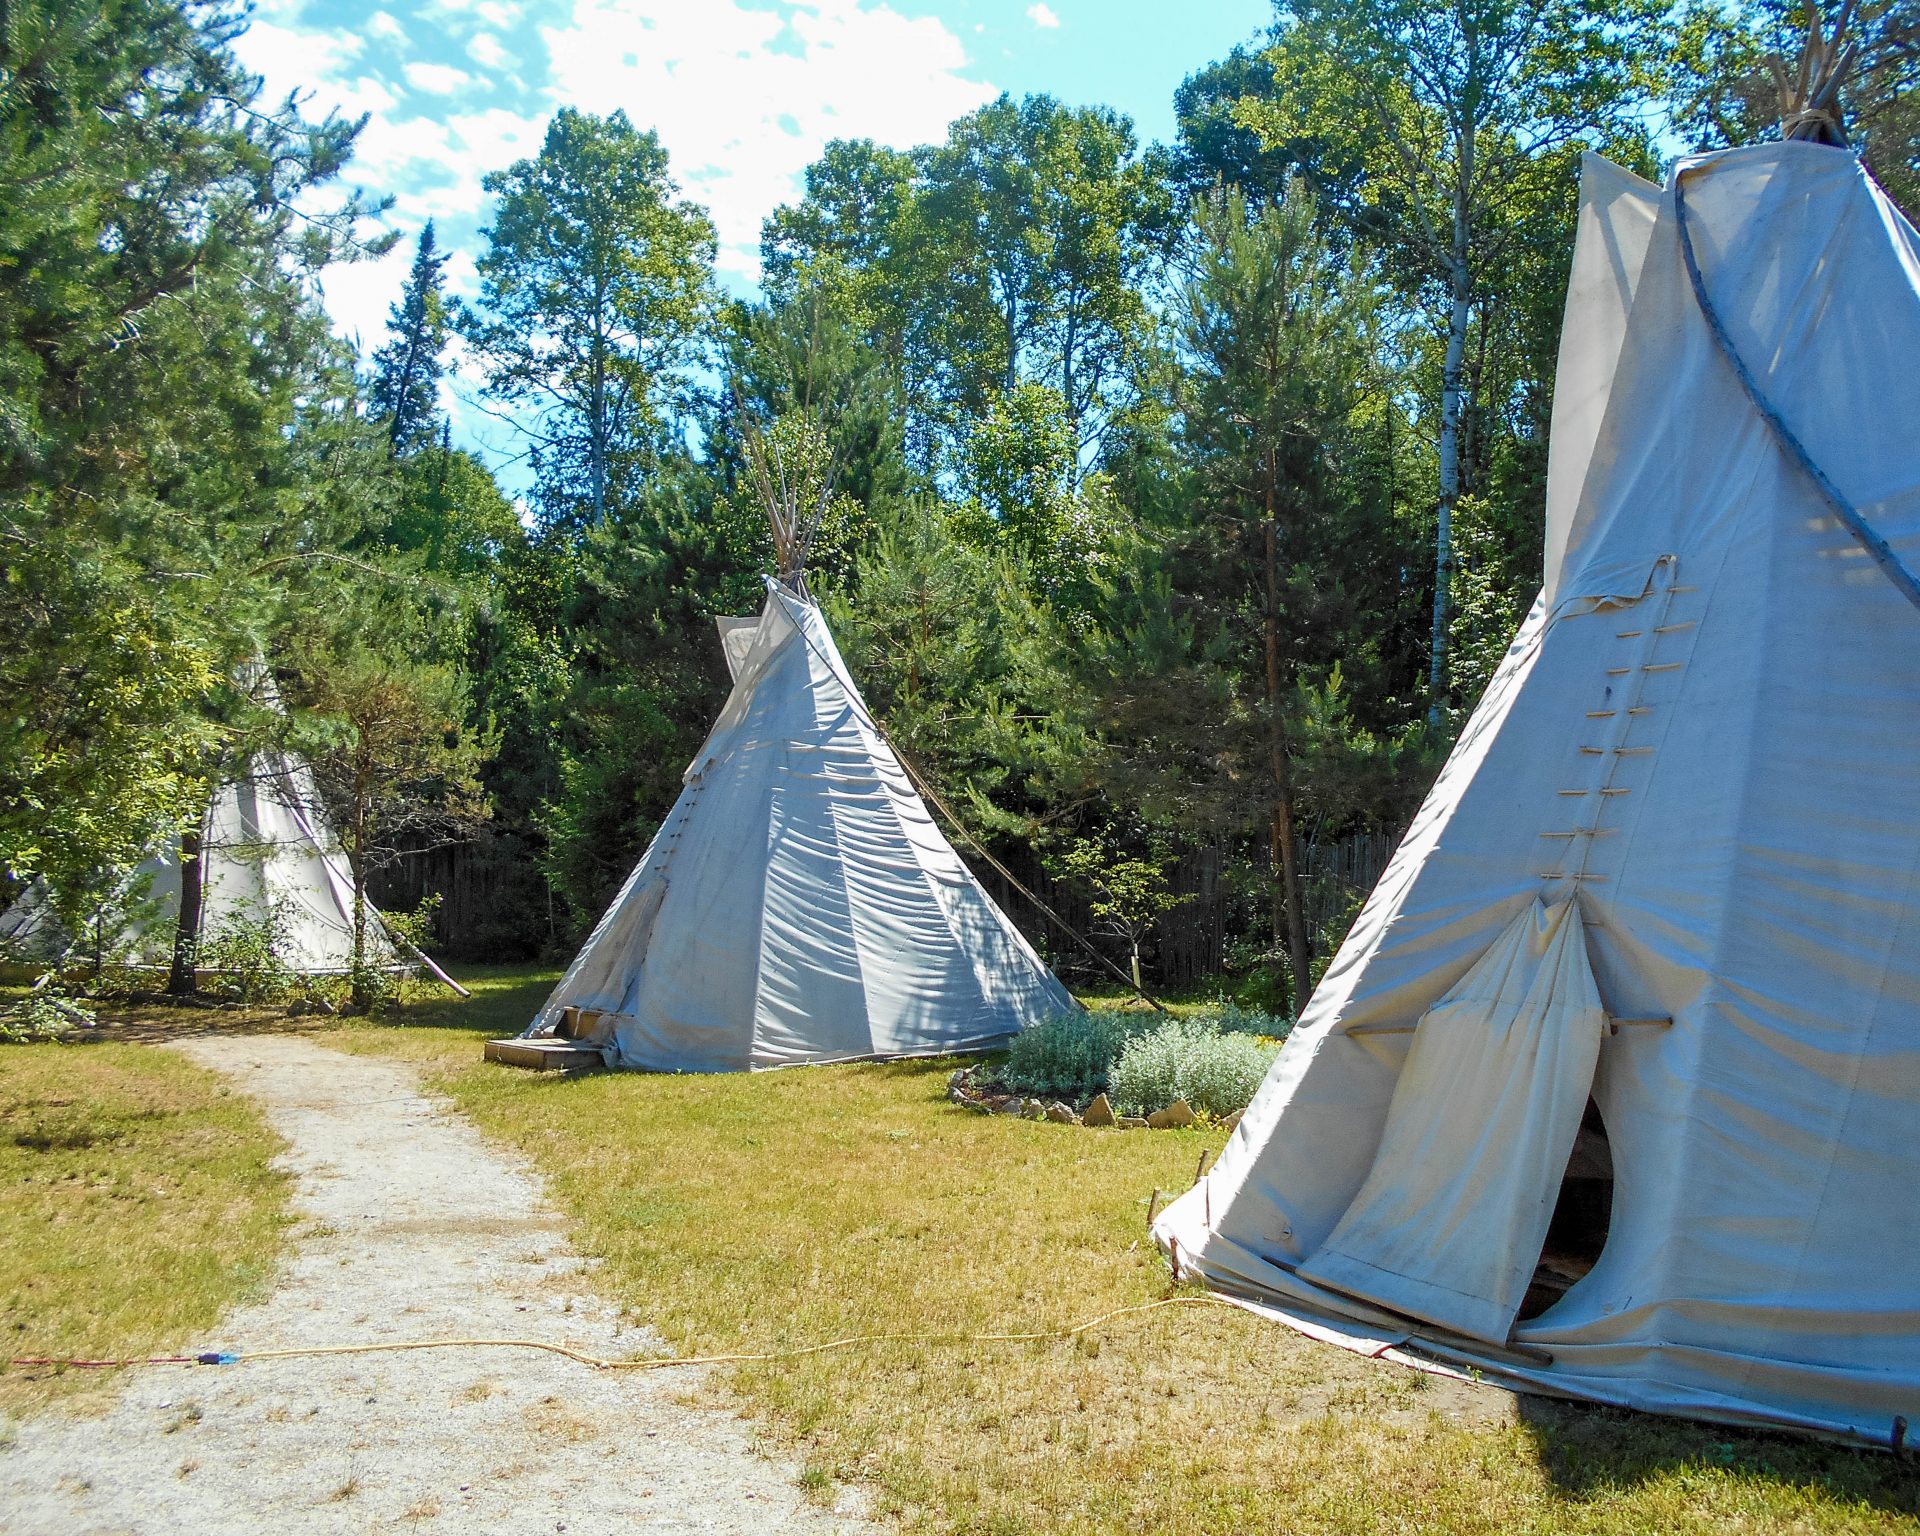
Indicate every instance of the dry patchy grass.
{"type": "Point", "coordinates": [137, 1204]}
{"type": "Point", "coordinates": [748, 1213]}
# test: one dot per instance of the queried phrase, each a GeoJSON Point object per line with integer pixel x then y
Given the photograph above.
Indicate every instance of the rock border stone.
{"type": "Point", "coordinates": [1099, 1114]}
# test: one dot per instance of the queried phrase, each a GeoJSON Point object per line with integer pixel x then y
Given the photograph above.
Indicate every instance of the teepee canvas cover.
{"type": "Point", "coordinates": [1673, 864]}
{"type": "Point", "coordinates": [798, 903]}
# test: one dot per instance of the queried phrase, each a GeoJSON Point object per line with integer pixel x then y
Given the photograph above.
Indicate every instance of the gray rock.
{"type": "Point", "coordinates": [1099, 1112]}
{"type": "Point", "coordinates": [1059, 1114]}
{"type": "Point", "coordinates": [1132, 1123]}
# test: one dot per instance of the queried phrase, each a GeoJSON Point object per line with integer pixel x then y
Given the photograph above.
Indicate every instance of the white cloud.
{"type": "Point", "coordinates": [436, 79]}
{"type": "Point", "coordinates": [381, 24]}
{"type": "Point", "coordinates": [293, 57]}
{"type": "Point", "coordinates": [485, 50]}
{"type": "Point", "coordinates": [744, 99]}
{"type": "Point", "coordinates": [1041, 15]}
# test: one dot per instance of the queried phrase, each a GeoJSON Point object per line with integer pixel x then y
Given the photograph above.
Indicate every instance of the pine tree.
{"type": "Point", "coordinates": [407, 369]}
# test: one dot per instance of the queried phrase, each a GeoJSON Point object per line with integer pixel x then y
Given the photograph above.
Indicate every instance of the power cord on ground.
{"type": "Point", "coordinates": [640, 1363]}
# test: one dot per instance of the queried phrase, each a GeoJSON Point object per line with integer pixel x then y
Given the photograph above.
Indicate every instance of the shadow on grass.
{"type": "Point", "coordinates": [504, 1000]}
{"type": "Point", "coordinates": [1595, 1454]}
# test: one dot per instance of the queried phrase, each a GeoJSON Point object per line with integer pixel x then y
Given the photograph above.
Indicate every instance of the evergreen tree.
{"type": "Point", "coordinates": [407, 367]}
{"type": "Point", "coordinates": [157, 335]}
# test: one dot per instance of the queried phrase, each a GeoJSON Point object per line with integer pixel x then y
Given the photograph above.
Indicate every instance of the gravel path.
{"type": "Point", "coordinates": [413, 1227]}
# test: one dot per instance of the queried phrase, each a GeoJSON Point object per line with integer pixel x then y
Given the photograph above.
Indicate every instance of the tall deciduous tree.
{"type": "Point", "coordinates": [1455, 110]}
{"type": "Point", "coordinates": [595, 289]}
{"type": "Point", "coordinates": [1045, 218]}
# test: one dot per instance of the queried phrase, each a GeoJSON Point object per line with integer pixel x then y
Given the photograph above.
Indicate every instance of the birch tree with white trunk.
{"type": "Point", "coordinates": [1455, 111]}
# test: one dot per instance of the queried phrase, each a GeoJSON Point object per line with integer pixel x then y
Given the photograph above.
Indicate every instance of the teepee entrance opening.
{"type": "Point", "coordinates": [1582, 1217]}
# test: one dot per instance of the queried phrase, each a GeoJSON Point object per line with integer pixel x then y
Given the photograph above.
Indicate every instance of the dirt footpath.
{"type": "Point", "coordinates": [410, 1227]}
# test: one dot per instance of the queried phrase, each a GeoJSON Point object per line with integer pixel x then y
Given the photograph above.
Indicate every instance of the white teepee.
{"type": "Point", "coordinates": [1644, 977]}
{"type": "Point", "coordinates": [266, 850]}
{"type": "Point", "coordinates": [798, 904]}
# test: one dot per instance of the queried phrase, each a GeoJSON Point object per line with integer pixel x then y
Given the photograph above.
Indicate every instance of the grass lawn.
{"type": "Point", "coordinates": [136, 1204]}
{"type": "Point", "coordinates": [754, 1212]}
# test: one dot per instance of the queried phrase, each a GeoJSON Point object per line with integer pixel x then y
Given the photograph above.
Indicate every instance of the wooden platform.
{"type": "Point", "coordinates": [546, 1055]}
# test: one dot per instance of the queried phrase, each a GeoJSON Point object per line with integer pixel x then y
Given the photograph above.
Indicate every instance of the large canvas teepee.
{"type": "Point", "coordinates": [1614, 1087]}
{"type": "Point", "coordinates": [798, 904]}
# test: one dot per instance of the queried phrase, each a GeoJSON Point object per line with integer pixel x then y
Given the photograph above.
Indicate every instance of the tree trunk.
{"type": "Point", "coordinates": [1289, 915]}
{"type": "Point", "coordinates": [597, 444]}
{"type": "Point", "coordinates": [362, 994]}
{"type": "Point", "coordinates": [182, 977]}
{"type": "Point", "coordinates": [1452, 399]}
{"type": "Point", "coordinates": [1136, 971]}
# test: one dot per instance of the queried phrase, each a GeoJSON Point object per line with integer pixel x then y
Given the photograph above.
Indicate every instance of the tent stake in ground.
{"type": "Point", "coordinates": [1687, 804]}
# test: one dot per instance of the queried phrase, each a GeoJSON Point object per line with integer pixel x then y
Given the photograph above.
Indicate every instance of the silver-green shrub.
{"type": "Point", "coordinates": [1069, 1056]}
{"type": "Point", "coordinates": [1233, 1019]}
{"type": "Point", "coordinates": [1189, 1059]}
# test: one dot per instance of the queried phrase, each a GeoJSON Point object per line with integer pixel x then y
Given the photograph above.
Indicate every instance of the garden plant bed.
{"type": "Point", "coordinates": [981, 1088]}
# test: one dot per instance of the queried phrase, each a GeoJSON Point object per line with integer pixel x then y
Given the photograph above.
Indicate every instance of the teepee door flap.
{"type": "Point", "coordinates": [1449, 1224]}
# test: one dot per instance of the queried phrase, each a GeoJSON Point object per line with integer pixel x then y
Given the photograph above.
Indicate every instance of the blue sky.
{"type": "Point", "coordinates": [744, 94]}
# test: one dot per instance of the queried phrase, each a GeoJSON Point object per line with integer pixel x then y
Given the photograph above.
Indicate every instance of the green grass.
{"type": "Point", "coordinates": [757, 1212]}
{"type": "Point", "coordinates": [137, 1205]}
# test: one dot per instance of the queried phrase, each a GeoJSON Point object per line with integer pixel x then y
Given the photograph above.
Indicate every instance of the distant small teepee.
{"type": "Point", "coordinates": [266, 850]}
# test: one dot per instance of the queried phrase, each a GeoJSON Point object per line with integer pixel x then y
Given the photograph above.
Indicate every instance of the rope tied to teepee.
{"type": "Point", "coordinates": [1849, 516]}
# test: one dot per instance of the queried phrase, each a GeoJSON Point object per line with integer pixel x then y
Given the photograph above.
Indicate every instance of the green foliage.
{"type": "Point", "coordinates": [594, 289]}
{"type": "Point", "coordinates": [1192, 1059]}
{"type": "Point", "coordinates": [954, 650]}
{"type": "Point", "coordinates": [246, 949]}
{"type": "Point", "coordinates": [1069, 1056]}
{"type": "Point", "coordinates": [392, 753]}
{"type": "Point", "coordinates": [1020, 467]}
{"type": "Point", "coordinates": [1235, 1018]}
{"type": "Point", "coordinates": [1489, 600]}
{"type": "Point", "coordinates": [158, 338]}
{"type": "Point", "coordinates": [1129, 895]}
{"type": "Point", "coordinates": [47, 1013]}
{"type": "Point", "coordinates": [408, 367]}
